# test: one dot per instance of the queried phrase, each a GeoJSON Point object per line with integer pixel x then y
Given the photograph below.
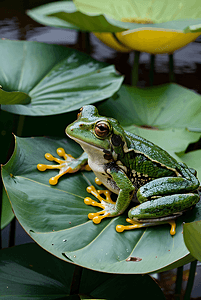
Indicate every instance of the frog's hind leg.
{"type": "Point", "coordinates": [159, 211]}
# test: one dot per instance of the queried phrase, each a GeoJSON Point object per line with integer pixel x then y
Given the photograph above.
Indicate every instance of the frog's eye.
{"type": "Point", "coordinates": [102, 129]}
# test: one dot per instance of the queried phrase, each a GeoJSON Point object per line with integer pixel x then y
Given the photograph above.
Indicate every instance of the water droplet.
{"type": "Point", "coordinates": [64, 240]}
{"type": "Point", "coordinates": [52, 244]}
{"type": "Point", "coordinates": [74, 255]}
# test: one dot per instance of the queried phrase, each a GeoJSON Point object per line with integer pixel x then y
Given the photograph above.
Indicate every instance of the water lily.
{"type": "Point", "coordinates": [156, 26]}
{"type": "Point", "coordinates": [153, 26]}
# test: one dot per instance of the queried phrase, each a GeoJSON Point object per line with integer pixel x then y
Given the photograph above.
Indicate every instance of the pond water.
{"type": "Point", "coordinates": [16, 25]}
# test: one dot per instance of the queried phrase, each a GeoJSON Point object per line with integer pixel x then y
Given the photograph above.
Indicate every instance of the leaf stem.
{"type": "Point", "coordinates": [171, 68]}
{"type": "Point", "coordinates": [84, 41]}
{"type": "Point", "coordinates": [190, 282]}
{"type": "Point", "coordinates": [179, 283]}
{"type": "Point", "coordinates": [75, 285]}
{"type": "Point", "coordinates": [151, 70]}
{"type": "Point", "coordinates": [12, 233]}
{"type": "Point", "coordinates": [135, 69]}
{"type": "Point", "coordinates": [20, 125]}
{"type": "Point", "coordinates": [1, 202]}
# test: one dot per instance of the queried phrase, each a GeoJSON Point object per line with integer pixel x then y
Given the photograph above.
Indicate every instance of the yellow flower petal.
{"type": "Point", "coordinates": [109, 40]}
{"type": "Point", "coordinates": [154, 41]}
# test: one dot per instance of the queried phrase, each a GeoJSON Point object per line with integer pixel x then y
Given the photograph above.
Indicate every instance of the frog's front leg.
{"type": "Point", "coordinates": [110, 208]}
{"type": "Point", "coordinates": [67, 165]}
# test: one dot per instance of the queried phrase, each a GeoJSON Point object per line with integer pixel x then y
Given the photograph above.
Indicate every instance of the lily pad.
{"type": "Point", "coordinates": [67, 79]}
{"type": "Point", "coordinates": [154, 113]}
{"type": "Point", "coordinates": [192, 159]}
{"type": "Point", "coordinates": [28, 272]}
{"type": "Point", "coordinates": [57, 218]}
{"type": "Point", "coordinates": [192, 238]}
{"type": "Point", "coordinates": [7, 213]}
{"type": "Point", "coordinates": [192, 231]}
{"type": "Point", "coordinates": [158, 107]}
{"type": "Point", "coordinates": [173, 140]}
{"type": "Point", "coordinates": [9, 98]}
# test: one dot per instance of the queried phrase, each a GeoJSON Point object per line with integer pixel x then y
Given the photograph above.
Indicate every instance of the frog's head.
{"type": "Point", "coordinates": [93, 131]}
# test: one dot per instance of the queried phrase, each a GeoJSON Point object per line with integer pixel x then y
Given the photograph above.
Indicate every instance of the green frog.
{"type": "Point", "coordinates": [131, 167]}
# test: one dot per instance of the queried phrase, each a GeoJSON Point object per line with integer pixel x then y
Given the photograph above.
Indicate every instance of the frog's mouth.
{"type": "Point", "coordinates": [85, 144]}
{"type": "Point", "coordinates": [90, 148]}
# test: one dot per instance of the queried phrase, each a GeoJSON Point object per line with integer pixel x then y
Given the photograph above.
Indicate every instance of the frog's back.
{"type": "Point", "coordinates": [150, 158]}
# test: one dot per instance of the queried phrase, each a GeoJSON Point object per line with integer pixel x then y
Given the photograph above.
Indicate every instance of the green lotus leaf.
{"type": "Point", "coordinates": [64, 14]}
{"type": "Point", "coordinates": [192, 159]}
{"type": "Point", "coordinates": [28, 272]}
{"type": "Point", "coordinates": [169, 15]}
{"type": "Point", "coordinates": [155, 114]}
{"type": "Point", "coordinates": [159, 107]}
{"type": "Point", "coordinates": [57, 218]}
{"type": "Point", "coordinates": [118, 15]}
{"type": "Point", "coordinates": [192, 238]}
{"type": "Point", "coordinates": [41, 14]}
{"type": "Point", "coordinates": [174, 140]}
{"type": "Point", "coordinates": [56, 79]}
{"type": "Point", "coordinates": [192, 230]}
{"type": "Point", "coordinates": [7, 213]}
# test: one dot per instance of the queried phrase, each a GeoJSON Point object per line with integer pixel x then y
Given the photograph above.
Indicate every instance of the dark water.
{"type": "Point", "coordinates": [16, 25]}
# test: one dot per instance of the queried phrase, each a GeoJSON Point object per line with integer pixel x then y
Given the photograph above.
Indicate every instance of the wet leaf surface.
{"type": "Point", "coordinates": [57, 218]}
{"type": "Point", "coordinates": [67, 80]}
{"type": "Point", "coordinates": [154, 113]}
{"type": "Point", "coordinates": [7, 214]}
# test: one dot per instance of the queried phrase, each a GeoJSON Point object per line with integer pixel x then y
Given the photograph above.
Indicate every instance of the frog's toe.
{"type": "Point", "coordinates": [96, 193]}
{"type": "Point", "coordinates": [141, 224]}
{"type": "Point", "coordinates": [63, 165]}
{"type": "Point", "coordinates": [106, 204]}
{"type": "Point", "coordinates": [98, 217]}
{"type": "Point", "coordinates": [97, 181]}
{"type": "Point", "coordinates": [54, 180]}
{"type": "Point", "coordinates": [89, 201]}
{"type": "Point", "coordinates": [135, 225]}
